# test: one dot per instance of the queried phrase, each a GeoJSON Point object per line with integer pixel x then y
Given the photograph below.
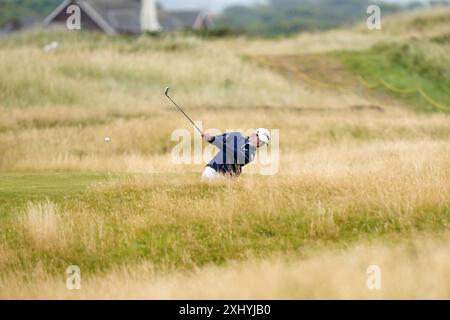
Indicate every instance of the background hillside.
{"type": "Point", "coordinates": [13, 10]}
{"type": "Point", "coordinates": [280, 17]}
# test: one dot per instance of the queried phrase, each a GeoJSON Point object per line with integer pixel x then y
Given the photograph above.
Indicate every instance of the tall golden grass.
{"type": "Point", "coordinates": [413, 270]}
{"type": "Point", "coordinates": [396, 200]}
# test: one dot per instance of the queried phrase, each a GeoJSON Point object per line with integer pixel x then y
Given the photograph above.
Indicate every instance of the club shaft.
{"type": "Point", "coordinates": [184, 114]}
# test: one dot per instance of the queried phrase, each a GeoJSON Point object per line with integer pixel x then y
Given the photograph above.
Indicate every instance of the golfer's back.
{"type": "Point", "coordinates": [235, 152]}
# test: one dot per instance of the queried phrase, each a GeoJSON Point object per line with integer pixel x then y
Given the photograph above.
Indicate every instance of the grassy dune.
{"type": "Point", "coordinates": [405, 67]}
{"type": "Point", "coordinates": [363, 175]}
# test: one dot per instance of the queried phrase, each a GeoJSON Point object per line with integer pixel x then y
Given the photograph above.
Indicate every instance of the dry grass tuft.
{"type": "Point", "coordinates": [43, 225]}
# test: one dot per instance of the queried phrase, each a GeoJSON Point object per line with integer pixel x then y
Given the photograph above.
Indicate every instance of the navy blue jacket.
{"type": "Point", "coordinates": [235, 152]}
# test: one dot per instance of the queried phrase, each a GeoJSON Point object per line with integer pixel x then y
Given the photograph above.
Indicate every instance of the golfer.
{"type": "Point", "coordinates": [235, 151]}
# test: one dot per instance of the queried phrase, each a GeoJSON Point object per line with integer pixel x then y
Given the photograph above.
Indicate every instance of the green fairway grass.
{"type": "Point", "coordinates": [18, 188]}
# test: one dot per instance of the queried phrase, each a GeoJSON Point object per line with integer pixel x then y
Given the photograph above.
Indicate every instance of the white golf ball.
{"type": "Point", "coordinates": [107, 139]}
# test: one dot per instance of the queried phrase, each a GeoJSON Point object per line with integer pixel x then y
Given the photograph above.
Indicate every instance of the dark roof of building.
{"type": "Point", "coordinates": [122, 15]}
{"type": "Point", "coordinates": [119, 16]}
{"type": "Point", "coordinates": [179, 19]}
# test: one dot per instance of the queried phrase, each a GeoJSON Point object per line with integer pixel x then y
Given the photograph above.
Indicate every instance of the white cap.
{"type": "Point", "coordinates": [263, 135]}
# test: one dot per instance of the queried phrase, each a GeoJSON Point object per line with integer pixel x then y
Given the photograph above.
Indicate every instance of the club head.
{"type": "Point", "coordinates": [166, 92]}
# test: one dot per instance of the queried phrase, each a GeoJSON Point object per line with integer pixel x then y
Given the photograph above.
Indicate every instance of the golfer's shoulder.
{"type": "Point", "coordinates": [230, 136]}
{"type": "Point", "coordinates": [234, 134]}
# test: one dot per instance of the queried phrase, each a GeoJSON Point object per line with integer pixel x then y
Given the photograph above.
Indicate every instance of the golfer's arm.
{"type": "Point", "coordinates": [219, 140]}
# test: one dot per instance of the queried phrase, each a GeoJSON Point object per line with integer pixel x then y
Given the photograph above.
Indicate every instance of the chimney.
{"type": "Point", "coordinates": [149, 16]}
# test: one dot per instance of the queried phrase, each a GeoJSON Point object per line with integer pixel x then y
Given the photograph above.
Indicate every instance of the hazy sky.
{"type": "Point", "coordinates": [212, 5]}
{"type": "Point", "coordinates": [217, 5]}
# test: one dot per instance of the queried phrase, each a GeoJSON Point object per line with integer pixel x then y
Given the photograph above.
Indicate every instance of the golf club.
{"type": "Point", "coordinates": [166, 93]}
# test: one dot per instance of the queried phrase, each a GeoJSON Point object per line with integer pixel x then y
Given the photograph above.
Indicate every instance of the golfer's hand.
{"type": "Point", "coordinates": [206, 137]}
